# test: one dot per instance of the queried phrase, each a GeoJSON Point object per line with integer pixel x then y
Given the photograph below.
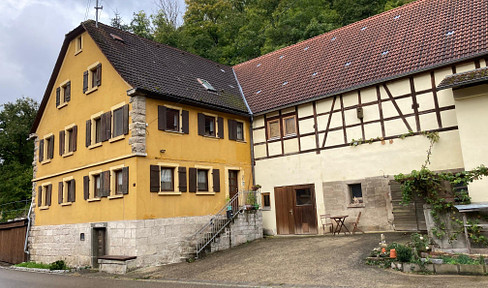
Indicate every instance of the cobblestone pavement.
{"type": "Point", "coordinates": [323, 261]}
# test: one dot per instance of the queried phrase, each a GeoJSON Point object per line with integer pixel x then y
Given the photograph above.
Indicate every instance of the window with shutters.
{"type": "Point", "coordinates": [67, 191]}
{"type": "Point", "coordinates": [44, 194]}
{"type": "Point", "coordinates": [63, 94]}
{"type": "Point", "coordinates": [210, 125]}
{"type": "Point", "coordinates": [173, 119]}
{"type": "Point", "coordinates": [204, 180]}
{"type": "Point", "coordinates": [78, 44]}
{"type": "Point", "coordinates": [98, 129]}
{"type": "Point", "coordinates": [92, 78]}
{"type": "Point", "coordinates": [97, 185]}
{"type": "Point", "coordinates": [119, 181]}
{"type": "Point", "coordinates": [46, 149]}
{"type": "Point", "coordinates": [120, 121]}
{"type": "Point", "coordinates": [236, 130]}
{"type": "Point", "coordinates": [289, 126]}
{"type": "Point", "coordinates": [68, 140]}
{"type": "Point", "coordinates": [168, 179]}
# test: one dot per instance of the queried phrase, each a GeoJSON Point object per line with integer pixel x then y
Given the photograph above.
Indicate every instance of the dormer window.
{"type": "Point", "coordinates": [206, 84]}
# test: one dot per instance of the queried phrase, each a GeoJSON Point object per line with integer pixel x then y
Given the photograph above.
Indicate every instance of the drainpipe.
{"type": "Point", "coordinates": [28, 229]}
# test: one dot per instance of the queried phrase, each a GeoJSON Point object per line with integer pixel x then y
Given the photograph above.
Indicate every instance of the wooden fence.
{"type": "Point", "coordinates": [12, 239]}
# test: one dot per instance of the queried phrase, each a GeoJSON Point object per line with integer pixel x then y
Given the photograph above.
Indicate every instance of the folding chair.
{"type": "Point", "coordinates": [325, 219]}
{"type": "Point", "coordinates": [355, 225]}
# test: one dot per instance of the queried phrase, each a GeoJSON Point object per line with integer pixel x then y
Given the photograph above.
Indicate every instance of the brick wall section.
{"type": "Point", "coordinates": [246, 227]}
{"type": "Point", "coordinates": [376, 211]}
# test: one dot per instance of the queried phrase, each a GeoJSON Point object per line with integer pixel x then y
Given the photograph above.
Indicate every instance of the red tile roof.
{"type": "Point", "coordinates": [406, 40]}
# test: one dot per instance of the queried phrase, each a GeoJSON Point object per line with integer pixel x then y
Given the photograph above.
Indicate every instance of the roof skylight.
{"type": "Point", "coordinates": [314, 74]}
{"type": "Point", "coordinates": [284, 83]}
{"type": "Point", "coordinates": [364, 28]}
{"type": "Point", "coordinates": [449, 33]}
{"type": "Point", "coordinates": [333, 38]}
{"type": "Point", "coordinates": [231, 86]}
{"type": "Point", "coordinates": [116, 37]}
{"type": "Point", "coordinates": [396, 17]}
{"type": "Point", "coordinates": [206, 84]}
{"type": "Point", "coordinates": [223, 71]}
{"type": "Point", "coordinates": [347, 64]}
{"type": "Point", "coordinates": [281, 57]}
{"type": "Point", "coordinates": [385, 52]}
{"type": "Point", "coordinates": [259, 64]}
{"type": "Point", "coordinates": [259, 91]}
{"type": "Point", "coordinates": [306, 48]}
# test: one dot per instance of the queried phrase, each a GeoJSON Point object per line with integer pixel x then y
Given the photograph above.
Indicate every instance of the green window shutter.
{"type": "Point", "coordinates": [72, 191]}
{"type": "Point", "coordinates": [216, 180]}
{"type": "Point", "coordinates": [192, 179]}
{"type": "Point", "coordinates": [61, 142]}
{"type": "Point", "coordinates": [85, 81]}
{"type": "Point", "coordinates": [185, 124]}
{"type": "Point", "coordinates": [105, 183]}
{"type": "Point", "coordinates": [86, 187]}
{"type": "Point", "coordinates": [67, 91]}
{"type": "Point", "coordinates": [125, 123]}
{"type": "Point", "coordinates": [161, 118]}
{"type": "Point", "coordinates": [58, 96]}
{"type": "Point", "coordinates": [39, 196]}
{"type": "Point", "coordinates": [88, 133]}
{"type": "Point", "coordinates": [220, 124]}
{"type": "Point", "coordinates": [49, 193]}
{"type": "Point", "coordinates": [125, 180]}
{"type": "Point", "coordinates": [201, 124]}
{"type": "Point", "coordinates": [154, 178]}
{"type": "Point", "coordinates": [182, 179]}
{"type": "Point", "coordinates": [60, 192]}
{"type": "Point", "coordinates": [41, 150]}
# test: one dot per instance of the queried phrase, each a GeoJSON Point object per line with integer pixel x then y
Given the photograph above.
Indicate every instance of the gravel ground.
{"type": "Point", "coordinates": [304, 261]}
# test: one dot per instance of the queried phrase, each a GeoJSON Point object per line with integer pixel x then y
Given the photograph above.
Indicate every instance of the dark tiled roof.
{"type": "Point", "coordinates": [164, 71]}
{"type": "Point", "coordinates": [414, 37]}
{"type": "Point", "coordinates": [466, 78]}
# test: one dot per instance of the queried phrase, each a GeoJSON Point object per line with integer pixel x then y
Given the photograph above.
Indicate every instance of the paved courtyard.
{"type": "Point", "coordinates": [304, 261]}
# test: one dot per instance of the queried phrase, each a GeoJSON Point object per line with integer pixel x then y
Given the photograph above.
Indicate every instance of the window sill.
{"type": "Point", "coordinates": [273, 138]}
{"type": "Point", "coordinates": [91, 90]}
{"type": "Point", "coordinates": [169, 193]}
{"type": "Point", "coordinates": [68, 154]}
{"type": "Point", "coordinates": [78, 52]}
{"type": "Point", "coordinates": [211, 137]}
{"type": "Point", "coordinates": [290, 136]}
{"type": "Point", "coordinates": [115, 139]}
{"type": "Point", "coordinates": [62, 105]}
{"type": "Point", "coordinates": [360, 205]}
{"type": "Point", "coordinates": [266, 209]}
{"type": "Point", "coordinates": [46, 161]}
{"type": "Point", "coordinates": [205, 193]}
{"type": "Point", "coordinates": [174, 132]}
{"type": "Point", "coordinates": [93, 199]}
{"type": "Point", "coordinates": [95, 145]}
{"type": "Point", "coordinates": [115, 196]}
{"type": "Point", "coordinates": [43, 207]}
{"type": "Point", "coordinates": [66, 204]}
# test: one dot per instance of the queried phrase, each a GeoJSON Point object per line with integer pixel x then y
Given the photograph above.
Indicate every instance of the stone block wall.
{"type": "Point", "coordinates": [246, 227]}
{"type": "Point", "coordinates": [376, 209]}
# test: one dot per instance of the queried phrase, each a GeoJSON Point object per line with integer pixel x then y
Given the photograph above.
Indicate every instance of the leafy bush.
{"type": "Point", "coordinates": [404, 253]}
{"type": "Point", "coordinates": [465, 259]}
{"type": "Point", "coordinates": [58, 265]}
{"type": "Point", "coordinates": [420, 242]}
{"type": "Point", "coordinates": [33, 265]}
{"type": "Point", "coordinates": [392, 246]}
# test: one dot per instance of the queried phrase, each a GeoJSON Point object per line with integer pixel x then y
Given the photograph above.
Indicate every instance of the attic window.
{"type": "Point", "coordinates": [347, 64]}
{"type": "Point", "coordinates": [207, 85]}
{"type": "Point", "coordinates": [281, 57]}
{"type": "Point", "coordinates": [449, 33]}
{"type": "Point", "coordinates": [116, 37]}
{"type": "Point", "coordinates": [333, 38]}
{"type": "Point", "coordinates": [306, 48]}
{"type": "Point", "coordinates": [385, 52]}
{"type": "Point", "coordinates": [284, 83]}
{"type": "Point", "coordinates": [396, 17]}
{"type": "Point", "coordinates": [364, 28]}
{"type": "Point", "coordinates": [258, 65]}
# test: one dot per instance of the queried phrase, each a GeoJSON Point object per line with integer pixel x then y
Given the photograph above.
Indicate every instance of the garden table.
{"type": "Point", "coordinates": [340, 224]}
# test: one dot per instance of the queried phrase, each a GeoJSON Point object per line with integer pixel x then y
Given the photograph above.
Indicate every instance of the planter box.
{"type": "Point", "coordinates": [471, 269]}
{"type": "Point", "coordinates": [397, 265]}
{"type": "Point", "coordinates": [413, 267]}
{"type": "Point", "coordinates": [446, 268]}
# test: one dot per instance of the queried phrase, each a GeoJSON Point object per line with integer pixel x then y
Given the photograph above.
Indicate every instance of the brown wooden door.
{"type": "Point", "coordinates": [99, 244]}
{"type": "Point", "coordinates": [233, 174]}
{"type": "Point", "coordinates": [295, 210]}
{"type": "Point", "coordinates": [285, 222]}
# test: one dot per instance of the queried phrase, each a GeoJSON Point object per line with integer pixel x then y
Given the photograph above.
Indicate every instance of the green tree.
{"type": "Point", "coordinates": [16, 151]}
{"type": "Point", "coordinates": [390, 4]}
{"type": "Point", "coordinates": [141, 25]}
{"type": "Point", "coordinates": [351, 11]}
{"type": "Point", "coordinates": [118, 23]}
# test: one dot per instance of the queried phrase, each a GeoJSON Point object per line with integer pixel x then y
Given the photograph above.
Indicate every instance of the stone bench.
{"type": "Point", "coordinates": [116, 264]}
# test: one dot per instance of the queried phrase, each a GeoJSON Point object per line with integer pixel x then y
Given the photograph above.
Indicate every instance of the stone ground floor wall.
{"type": "Point", "coordinates": [153, 241]}
{"type": "Point", "coordinates": [246, 227]}
{"type": "Point", "coordinates": [376, 209]}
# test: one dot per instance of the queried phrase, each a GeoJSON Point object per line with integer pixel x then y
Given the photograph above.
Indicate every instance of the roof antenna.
{"type": "Point", "coordinates": [96, 13]}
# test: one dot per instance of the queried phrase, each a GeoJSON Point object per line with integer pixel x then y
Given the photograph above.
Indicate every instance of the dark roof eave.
{"type": "Point", "coordinates": [352, 88]}
{"type": "Point", "coordinates": [176, 99]}
{"type": "Point", "coordinates": [69, 36]}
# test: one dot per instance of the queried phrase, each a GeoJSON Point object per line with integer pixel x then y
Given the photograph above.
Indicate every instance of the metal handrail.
{"type": "Point", "coordinates": [205, 235]}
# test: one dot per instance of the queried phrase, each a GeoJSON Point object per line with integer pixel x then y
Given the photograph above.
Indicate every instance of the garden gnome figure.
{"type": "Point", "coordinates": [383, 242]}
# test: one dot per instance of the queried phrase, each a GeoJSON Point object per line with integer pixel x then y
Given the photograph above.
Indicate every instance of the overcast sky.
{"type": "Point", "coordinates": [32, 32]}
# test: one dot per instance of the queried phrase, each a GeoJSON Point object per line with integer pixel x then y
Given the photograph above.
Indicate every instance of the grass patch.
{"type": "Point", "coordinates": [33, 265]}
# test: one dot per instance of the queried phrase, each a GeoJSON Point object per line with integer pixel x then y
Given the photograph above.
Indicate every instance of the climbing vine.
{"type": "Point", "coordinates": [439, 190]}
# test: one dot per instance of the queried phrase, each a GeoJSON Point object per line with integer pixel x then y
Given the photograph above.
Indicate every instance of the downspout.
{"type": "Point", "coordinates": [250, 129]}
{"type": "Point", "coordinates": [28, 229]}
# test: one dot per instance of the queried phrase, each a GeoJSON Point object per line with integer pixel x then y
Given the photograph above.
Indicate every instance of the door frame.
{"type": "Point", "coordinates": [94, 242]}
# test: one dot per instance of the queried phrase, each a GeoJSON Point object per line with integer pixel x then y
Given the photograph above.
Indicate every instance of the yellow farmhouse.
{"type": "Point", "coordinates": [137, 143]}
